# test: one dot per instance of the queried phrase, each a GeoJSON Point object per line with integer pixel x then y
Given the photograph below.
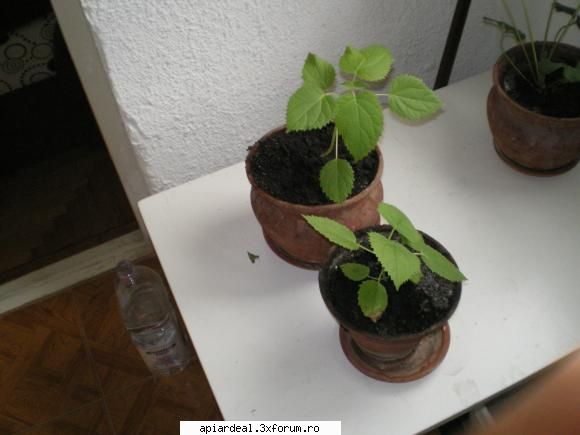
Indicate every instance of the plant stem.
{"type": "Point", "coordinates": [518, 37]}
{"type": "Point", "coordinates": [329, 149]}
{"type": "Point", "coordinates": [532, 39]}
{"type": "Point", "coordinates": [391, 233]}
{"type": "Point", "coordinates": [381, 274]}
{"type": "Point", "coordinates": [563, 30]}
{"type": "Point", "coordinates": [336, 143]}
{"type": "Point", "coordinates": [513, 64]}
{"type": "Point", "coordinates": [364, 248]}
{"type": "Point", "coordinates": [547, 30]}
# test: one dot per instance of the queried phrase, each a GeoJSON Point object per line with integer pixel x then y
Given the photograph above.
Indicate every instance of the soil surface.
{"type": "Point", "coordinates": [561, 101]}
{"type": "Point", "coordinates": [287, 166]}
{"type": "Point", "coordinates": [412, 309]}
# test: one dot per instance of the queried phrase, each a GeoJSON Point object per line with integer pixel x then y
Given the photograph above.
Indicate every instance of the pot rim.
{"type": "Point", "coordinates": [497, 83]}
{"type": "Point", "coordinates": [323, 280]}
{"type": "Point", "coordinates": [311, 209]}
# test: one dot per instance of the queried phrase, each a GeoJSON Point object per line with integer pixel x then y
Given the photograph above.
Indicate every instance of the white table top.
{"type": "Point", "coordinates": [268, 345]}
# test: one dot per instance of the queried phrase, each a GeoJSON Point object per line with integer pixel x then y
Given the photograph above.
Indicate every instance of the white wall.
{"type": "Point", "coordinates": [197, 82]}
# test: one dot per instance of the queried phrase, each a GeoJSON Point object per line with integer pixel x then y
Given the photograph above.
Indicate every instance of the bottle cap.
{"type": "Point", "coordinates": [125, 269]}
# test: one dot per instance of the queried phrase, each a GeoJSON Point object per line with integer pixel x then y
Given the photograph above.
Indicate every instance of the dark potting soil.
{"type": "Point", "coordinates": [287, 165]}
{"type": "Point", "coordinates": [412, 309]}
{"type": "Point", "coordinates": [561, 101]}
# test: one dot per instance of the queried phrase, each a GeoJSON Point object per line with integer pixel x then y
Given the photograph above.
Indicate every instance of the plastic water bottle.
{"type": "Point", "coordinates": [151, 320]}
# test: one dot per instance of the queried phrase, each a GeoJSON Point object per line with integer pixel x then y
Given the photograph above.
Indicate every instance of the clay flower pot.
{"type": "Point", "coordinates": [288, 234]}
{"type": "Point", "coordinates": [390, 357]}
{"type": "Point", "coordinates": [530, 142]}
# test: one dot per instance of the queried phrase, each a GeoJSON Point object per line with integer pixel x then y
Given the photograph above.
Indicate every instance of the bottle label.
{"type": "Point", "coordinates": [167, 354]}
{"type": "Point", "coordinates": [165, 358]}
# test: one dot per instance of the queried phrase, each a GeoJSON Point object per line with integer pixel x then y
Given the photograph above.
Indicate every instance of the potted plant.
{"type": "Point", "coordinates": [392, 289]}
{"type": "Point", "coordinates": [533, 107]}
{"type": "Point", "coordinates": [325, 161]}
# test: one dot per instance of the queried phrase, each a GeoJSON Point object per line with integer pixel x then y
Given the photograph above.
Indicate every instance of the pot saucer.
{"type": "Point", "coordinates": [425, 358]}
{"type": "Point", "coordinates": [530, 171]}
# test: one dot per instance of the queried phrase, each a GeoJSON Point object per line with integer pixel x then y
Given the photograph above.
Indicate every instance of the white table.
{"type": "Point", "coordinates": [268, 345]}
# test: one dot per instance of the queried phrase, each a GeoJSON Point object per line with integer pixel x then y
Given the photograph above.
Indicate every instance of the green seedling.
{"type": "Point", "coordinates": [400, 260]}
{"type": "Point", "coordinates": [354, 108]}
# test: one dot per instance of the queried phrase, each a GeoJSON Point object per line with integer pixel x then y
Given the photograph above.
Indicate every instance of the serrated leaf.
{"type": "Point", "coordinates": [351, 60]}
{"type": "Point", "coordinates": [377, 63]}
{"type": "Point", "coordinates": [355, 271]}
{"type": "Point", "coordinates": [333, 231]}
{"type": "Point", "coordinates": [571, 74]}
{"type": "Point", "coordinates": [309, 108]}
{"type": "Point", "coordinates": [337, 179]}
{"type": "Point", "coordinates": [416, 279]}
{"type": "Point", "coordinates": [318, 72]}
{"type": "Point", "coordinates": [355, 84]}
{"type": "Point", "coordinates": [401, 223]}
{"type": "Point", "coordinates": [440, 265]}
{"type": "Point", "coordinates": [359, 119]}
{"type": "Point", "coordinates": [399, 263]}
{"type": "Point", "coordinates": [372, 299]}
{"type": "Point", "coordinates": [417, 245]}
{"type": "Point", "coordinates": [371, 63]}
{"type": "Point", "coordinates": [410, 98]}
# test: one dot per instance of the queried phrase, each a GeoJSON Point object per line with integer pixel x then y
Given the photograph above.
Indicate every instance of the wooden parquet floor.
{"type": "Point", "coordinates": [68, 367]}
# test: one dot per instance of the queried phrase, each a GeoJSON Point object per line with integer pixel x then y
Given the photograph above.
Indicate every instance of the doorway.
{"type": "Point", "coordinates": [59, 191]}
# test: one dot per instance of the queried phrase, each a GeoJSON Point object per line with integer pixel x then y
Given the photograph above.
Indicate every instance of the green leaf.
{"type": "Point", "coordinates": [416, 279]}
{"type": "Point", "coordinates": [401, 223]}
{"type": "Point", "coordinates": [333, 231]}
{"type": "Point", "coordinates": [506, 28]}
{"type": "Point", "coordinates": [351, 60]}
{"type": "Point", "coordinates": [309, 108]}
{"type": "Point", "coordinates": [359, 119]}
{"type": "Point", "coordinates": [253, 257]}
{"type": "Point", "coordinates": [355, 271]}
{"type": "Point", "coordinates": [547, 66]}
{"type": "Point", "coordinates": [571, 74]}
{"type": "Point", "coordinates": [354, 84]}
{"type": "Point", "coordinates": [397, 260]}
{"type": "Point", "coordinates": [440, 265]}
{"type": "Point", "coordinates": [337, 179]}
{"type": "Point", "coordinates": [372, 299]}
{"type": "Point", "coordinates": [410, 98]}
{"type": "Point", "coordinates": [318, 72]}
{"type": "Point", "coordinates": [573, 12]}
{"type": "Point", "coordinates": [377, 63]}
{"type": "Point", "coordinates": [371, 63]}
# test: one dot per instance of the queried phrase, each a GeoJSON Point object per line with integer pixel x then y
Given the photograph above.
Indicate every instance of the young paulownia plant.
{"type": "Point", "coordinates": [540, 62]}
{"type": "Point", "coordinates": [353, 108]}
{"type": "Point", "coordinates": [400, 261]}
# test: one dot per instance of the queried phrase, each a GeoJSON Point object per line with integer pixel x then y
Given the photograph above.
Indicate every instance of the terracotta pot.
{"type": "Point", "coordinates": [394, 358]}
{"type": "Point", "coordinates": [532, 143]}
{"type": "Point", "coordinates": [288, 234]}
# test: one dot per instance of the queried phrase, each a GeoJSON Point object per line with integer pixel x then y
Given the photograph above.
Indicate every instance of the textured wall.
{"type": "Point", "coordinates": [199, 81]}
